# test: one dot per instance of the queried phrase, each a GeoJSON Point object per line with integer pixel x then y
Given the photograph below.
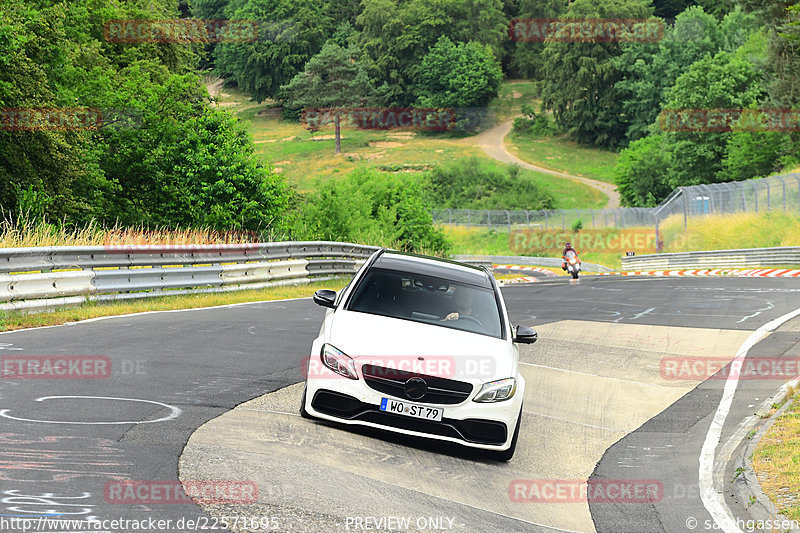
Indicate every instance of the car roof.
{"type": "Point", "coordinates": [433, 266]}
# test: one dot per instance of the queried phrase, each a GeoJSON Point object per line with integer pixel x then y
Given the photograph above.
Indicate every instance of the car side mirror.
{"type": "Point", "coordinates": [525, 335]}
{"type": "Point", "coordinates": [325, 298]}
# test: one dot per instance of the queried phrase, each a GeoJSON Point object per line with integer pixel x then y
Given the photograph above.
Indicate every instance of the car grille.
{"type": "Point", "coordinates": [473, 430]}
{"type": "Point", "coordinates": [392, 381]}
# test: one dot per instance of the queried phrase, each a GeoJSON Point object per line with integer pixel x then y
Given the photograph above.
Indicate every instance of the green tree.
{"type": "Point", "coordinates": [579, 78]}
{"type": "Point", "coordinates": [640, 172]}
{"type": "Point", "coordinates": [457, 75]}
{"type": "Point", "coordinates": [290, 33]}
{"type": "Point", "coordinates": [396, 35]}
{"type": "Point", "coordinates": [334, 78]}
{"type": "Point", "coordinates": [526, 57]}
{"type": "Point", "coordinates": [730, 82]}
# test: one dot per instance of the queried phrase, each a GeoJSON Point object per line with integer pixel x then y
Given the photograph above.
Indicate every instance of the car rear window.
{"type": "Point", "coordinates": [429, 300]}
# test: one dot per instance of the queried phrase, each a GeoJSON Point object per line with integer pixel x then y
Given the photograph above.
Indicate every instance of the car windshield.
{"type": "Point", "coordinates": [429, 300]}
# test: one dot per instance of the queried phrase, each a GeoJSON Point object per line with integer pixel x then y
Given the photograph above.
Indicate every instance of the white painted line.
{"type": "Point", "coordinates": [174, 411]}
{"type": "Point", "coordinates": [110, 317]}
{"type": "Point", "coordinates": [590, 374]}
{"type": "Point", "coordinates": [604, 428]}
{"type": "Point", "coordinates": [713, 497]}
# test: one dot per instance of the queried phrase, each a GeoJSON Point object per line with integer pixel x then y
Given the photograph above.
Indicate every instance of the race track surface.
{"type": "Point", "coordinates": [597, 403]}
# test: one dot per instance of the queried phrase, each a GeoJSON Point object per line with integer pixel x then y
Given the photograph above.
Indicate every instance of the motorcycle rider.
{"type": "Point", "coordinates": [567, 248]}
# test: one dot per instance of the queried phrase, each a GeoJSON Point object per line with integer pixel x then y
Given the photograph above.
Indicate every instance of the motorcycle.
{"type": "Point", "coordinates": [572, 264]}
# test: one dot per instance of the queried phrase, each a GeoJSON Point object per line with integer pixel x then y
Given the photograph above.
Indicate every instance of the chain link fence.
{"type": "Point", "coordinates": [766, 194]}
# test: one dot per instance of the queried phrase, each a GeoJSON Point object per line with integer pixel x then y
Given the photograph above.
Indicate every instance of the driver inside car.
{"type": "Point", "coordinates": [463, 300]}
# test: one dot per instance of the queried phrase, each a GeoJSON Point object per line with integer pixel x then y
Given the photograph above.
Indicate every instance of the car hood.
{"type": "Point", "coordinates": [446, 352]}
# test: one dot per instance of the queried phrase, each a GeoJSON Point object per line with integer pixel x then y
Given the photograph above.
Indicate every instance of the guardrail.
{"type": "Point", "coordinates": [49, 277]}
{"type": "Point", "coordinates": [746, 258]}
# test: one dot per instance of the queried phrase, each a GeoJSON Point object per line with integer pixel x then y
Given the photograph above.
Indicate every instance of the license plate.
{"type": "Point", "coordinates": [411, 409]}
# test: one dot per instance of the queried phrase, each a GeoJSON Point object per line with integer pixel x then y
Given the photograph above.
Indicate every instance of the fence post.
{"type": "Point", "coordinates": [783, 185]}
{"type": "Point", "coordinates": [767, 185]}
{"type": "Point", "coordinates": [755, 189]}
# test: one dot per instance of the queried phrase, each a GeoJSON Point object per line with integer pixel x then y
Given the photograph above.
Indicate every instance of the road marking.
{"type": "Point", "coordinates": [534, 413]}
{"type": "Point", "coordinates": [714, 500]}
{"type": "Point", "coordinates": [111, 317]}
{"type": "Point", "coordinates": [587, 374]}
{"type": "Point", "coordinates": [174, 411]}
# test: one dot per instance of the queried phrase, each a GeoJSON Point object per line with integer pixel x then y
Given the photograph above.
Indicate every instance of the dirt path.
{"type": "Point", "coordinates": [491, 141]}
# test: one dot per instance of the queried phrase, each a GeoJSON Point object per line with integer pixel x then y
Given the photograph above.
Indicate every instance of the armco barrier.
{"type": "Point", "coordinates": [47, 277]}
{"type": "Point", "coordinates": [746, 258]}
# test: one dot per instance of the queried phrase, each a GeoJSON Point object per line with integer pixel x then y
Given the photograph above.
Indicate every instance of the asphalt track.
{"type": "Point", "coordinates": [64, 439]}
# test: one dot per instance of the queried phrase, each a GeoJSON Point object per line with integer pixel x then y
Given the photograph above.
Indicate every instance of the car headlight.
{"type": "Point", "coordinates": [338, 361]}
{"type": "Point", "coordinates": [497, 391]}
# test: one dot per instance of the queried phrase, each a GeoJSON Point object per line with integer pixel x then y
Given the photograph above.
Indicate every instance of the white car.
{"type": "Point", "coordinates": [419, 346]}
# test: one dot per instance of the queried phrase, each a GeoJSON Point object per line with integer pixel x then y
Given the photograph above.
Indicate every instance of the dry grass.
{"type": "Point", "coordinates": [16, 320]}
{"type": "Point", "coordinates": [29, 233]}
{"type": "Point", "coordinates": [777, 462]}
{"type": "Point", "coordinates": [723, 232]}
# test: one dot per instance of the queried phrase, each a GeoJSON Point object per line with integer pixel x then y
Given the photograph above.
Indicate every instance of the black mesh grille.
{"type": "Point", "coordinates": [392, 382]}
{"type": "Point", "coordinates": [470, 430]}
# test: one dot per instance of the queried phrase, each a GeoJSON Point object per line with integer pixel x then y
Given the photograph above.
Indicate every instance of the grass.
{"type": "Point", "coordinates": [306, 159]}
{"type": "Point", "coordinates": [723, 232]}
{"type": "Point", "coordinates": [777, 461]}
{"type": "Point", "coordinates": [30, 233]}
{"type": "Point", "coordinates": [498, 241]}
{"type": "Point", "coordinates": [512, 94]}
{"type": "Point", "coordinates": [558, 153]}
{"type": "Point", "coordinates": [12, 320]}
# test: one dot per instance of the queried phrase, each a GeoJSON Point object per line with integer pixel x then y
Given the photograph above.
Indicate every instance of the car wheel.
{"type": "Point", "coordinates": [303, 411]}
{"type": "Point", "coordinates": [506, 455]}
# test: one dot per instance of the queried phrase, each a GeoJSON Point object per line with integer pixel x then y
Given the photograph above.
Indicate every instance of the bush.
{"type": "Point", "coordinates": [472, 184]}
{"type": "Point", "coordinates": [370, 207]}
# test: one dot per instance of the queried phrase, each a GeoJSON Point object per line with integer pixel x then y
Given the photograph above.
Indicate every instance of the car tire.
{"type": "Point", "coordinates": [506, 455]}
{"type": "Point", "coordinates": [303, 412]}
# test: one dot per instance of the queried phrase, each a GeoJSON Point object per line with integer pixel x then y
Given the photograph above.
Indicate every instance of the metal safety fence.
{"type": "Point", "coordinates": [774, 193]}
